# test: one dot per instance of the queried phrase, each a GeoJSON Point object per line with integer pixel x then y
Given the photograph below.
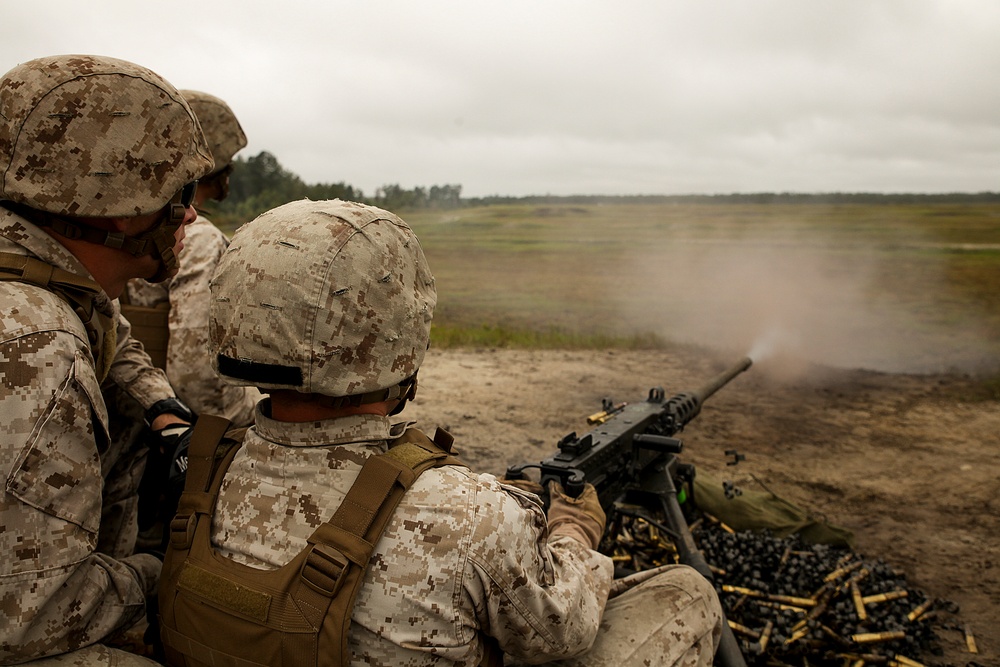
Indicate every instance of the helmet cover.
{"type": "Point", "coordinates": [222, 130]}
{"type": "Point", "coordinates": [93, 136]}
{"type": "Point", "coordinates": [328, 297]}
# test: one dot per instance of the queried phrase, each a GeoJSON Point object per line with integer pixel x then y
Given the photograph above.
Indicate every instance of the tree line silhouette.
{"type": "Point", "coordinates": [259, 183]}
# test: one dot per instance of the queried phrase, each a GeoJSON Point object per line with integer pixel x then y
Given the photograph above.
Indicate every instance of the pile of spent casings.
{"type": "Point", "coordinates": [793, 603]}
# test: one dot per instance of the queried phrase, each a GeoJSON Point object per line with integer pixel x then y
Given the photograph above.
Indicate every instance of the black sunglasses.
{"type": "Point", "coordinates": [187, 193]}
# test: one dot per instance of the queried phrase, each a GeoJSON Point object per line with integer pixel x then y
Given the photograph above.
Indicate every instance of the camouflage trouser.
{"type": "Point", "coordinates": [667, 616]}
{"type": "Point", "coordinates": [94, 655]}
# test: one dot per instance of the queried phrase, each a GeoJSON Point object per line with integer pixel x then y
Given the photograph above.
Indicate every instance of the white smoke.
{"type": "Point", "coordinates": [797, 301]}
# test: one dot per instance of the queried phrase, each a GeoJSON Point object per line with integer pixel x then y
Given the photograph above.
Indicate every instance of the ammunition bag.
{"type": "Point", "coordinates": [77, 291]}
{"type": "Point", "coordinates": [214, 611]}
{"type": "Point", "coordinates": [150, 326]}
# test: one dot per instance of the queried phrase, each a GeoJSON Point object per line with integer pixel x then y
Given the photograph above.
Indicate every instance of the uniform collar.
{"type": "Point", "coordinates": [360, 429]}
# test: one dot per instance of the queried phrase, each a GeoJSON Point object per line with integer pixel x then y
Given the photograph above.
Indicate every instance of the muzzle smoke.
{"type": "Point", "coordinates": [796, 302]}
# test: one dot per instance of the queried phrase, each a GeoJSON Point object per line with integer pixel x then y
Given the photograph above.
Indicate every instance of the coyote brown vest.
{"type": "Point", "coordinates": [214, 611]}
{"type": "Point", "coordinates": [150, 326]}
{"type": "Point", "coordinates": [78, 292]}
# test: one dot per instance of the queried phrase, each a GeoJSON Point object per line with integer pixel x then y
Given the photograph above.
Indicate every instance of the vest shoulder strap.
{"type": "Point", "coordinates": [316, 589]}
{"type": "Point", "coordinates": [77, 291]}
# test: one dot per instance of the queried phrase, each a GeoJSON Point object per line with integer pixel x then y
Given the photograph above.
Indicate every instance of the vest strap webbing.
{"type": "Point", "coordinates": [77, 291]}
{"type": "Point", "coordinates": [151, 327]}
{"type": "Point", "coordinates": [316, 589]}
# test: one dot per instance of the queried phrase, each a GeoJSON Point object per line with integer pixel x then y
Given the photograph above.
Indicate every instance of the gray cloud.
{"type": "Point", "coordinates": [565, 97]}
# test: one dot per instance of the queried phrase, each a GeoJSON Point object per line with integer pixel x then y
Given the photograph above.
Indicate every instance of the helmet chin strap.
{"type": "Point", "coordinates": [410, 392]}
{"type": "Point", "coordinates": [164, 238]}
{"type": "Point", "coordinates": [158, 241]}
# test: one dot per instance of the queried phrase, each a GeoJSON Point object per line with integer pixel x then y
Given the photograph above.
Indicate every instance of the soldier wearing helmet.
{"type": "Point", "coordinates": [99, 160]}
{"type": "Point", "coordinates": [185, 297]}
{"type": "Point", "coordinates": [308, 557]}
{"type": "Point", "coordinates": [171, 317]}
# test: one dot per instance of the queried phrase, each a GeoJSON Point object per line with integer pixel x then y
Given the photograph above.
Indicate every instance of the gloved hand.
{"type": "Point", "coordinates": [581, 518]}
{"type": "Point", "coordinates": [174, 441]}
{"type": "Point", "coordinates": [171, 423]}
{"type": "Point", "coordinates": [528, 485]}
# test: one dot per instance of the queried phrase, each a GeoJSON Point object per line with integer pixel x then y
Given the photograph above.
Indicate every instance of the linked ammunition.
{"type": "Point", "coordinates": [783, 599]}
{"type": "Point", "coordinates": [859, 605]}
{"type": "Point", "coordinates": [970, 640]}
{"type": "Point", "coordinates": [872, 637]}
{"type": "Point", "coordinates": [606, 414]}
{"type": "Point", "coordinates": [884, 597]}
{"type": "Point", "coordinates": [791, 600]}
{"type": "Point", "coordinates": [855, 578]}
{"type": "Point", "coordinates": [719, 523]}
{"type": "Point", "coordinates": [781, 606]}
{"type": "Point", "coordinates": [766, 579]}
{"type": "Point", "coordinates": [919, 610]}
{"type": "Point", "coordinates": [838, 573]}
{"type": "Point", "coordinates": [765, 635]}
{"type": "Point", "coordinates": [743, 630]}
{"type": "Point", "coordinates": [797, 635]}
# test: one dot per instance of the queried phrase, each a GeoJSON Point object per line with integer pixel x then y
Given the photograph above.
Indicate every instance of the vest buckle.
{"type": "Point", "coordinates": [182, 531]}
{"type": "Point", "coordinates": [324, 569]}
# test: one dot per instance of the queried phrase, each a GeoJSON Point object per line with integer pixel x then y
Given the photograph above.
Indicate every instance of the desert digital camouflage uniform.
{"type": "Point", "coordinates": [80, 136]}
{"type": "Point", "coordinates": [67, 514]}
{"type": "Point", "coordinates": [336, 299]}
{"type": "Point", "coordinates": [189, 367]}
{"type": "Point", "coordinates": [462, 555]}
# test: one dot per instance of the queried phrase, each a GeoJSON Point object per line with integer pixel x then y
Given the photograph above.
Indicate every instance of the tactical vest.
{"type": "Point", "coordinates": [78, 292]}
{"type": "Point", "coordinates": [215, 611]}
{"type": "Point", "coordinates": [150, 326]}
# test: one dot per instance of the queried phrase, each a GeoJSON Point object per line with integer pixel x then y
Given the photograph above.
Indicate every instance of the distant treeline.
{"type": "Point", "coordinates": [259, 183]}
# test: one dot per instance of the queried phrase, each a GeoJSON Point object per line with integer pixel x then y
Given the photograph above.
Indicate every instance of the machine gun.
{"type": "Point", "coordinates": [631, 460]}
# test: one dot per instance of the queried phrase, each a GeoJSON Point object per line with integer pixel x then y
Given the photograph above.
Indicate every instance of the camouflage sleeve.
{"type": "Point", "coordinates": [540, 598]}
{"type": "Point", "coordinates": [56, 593]}
{"type": "Point", "coordinates": [189, 367]}
{"type": "Point", "coordinates": [133, 371]}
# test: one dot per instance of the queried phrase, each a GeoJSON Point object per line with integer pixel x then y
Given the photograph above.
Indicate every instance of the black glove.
{"type": "Point", "coordinates": [172, 440]}
{"type": "Point", "coordinates": [166, 469]}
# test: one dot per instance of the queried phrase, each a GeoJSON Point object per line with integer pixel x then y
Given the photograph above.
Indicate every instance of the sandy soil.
{"type": "Point", "coordinates": [909, 463]}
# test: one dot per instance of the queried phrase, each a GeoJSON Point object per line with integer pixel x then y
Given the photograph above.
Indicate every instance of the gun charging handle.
{"type": "Point", "coordinates": [572, 480]}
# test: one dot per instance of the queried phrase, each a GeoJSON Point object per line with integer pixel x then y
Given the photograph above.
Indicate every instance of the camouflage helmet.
{"type": "Point", "coordinates": [327, 297]}
{"type": "Point", "coordinates": [93, 136]}
{"type": "Point", "coordinates": [222, 129]}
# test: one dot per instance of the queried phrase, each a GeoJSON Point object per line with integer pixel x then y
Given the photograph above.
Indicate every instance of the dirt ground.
{"type": "Point", "coordinates": [909, 463]}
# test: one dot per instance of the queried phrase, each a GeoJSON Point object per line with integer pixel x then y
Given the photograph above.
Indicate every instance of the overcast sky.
{"type": "Point", "coordinates": [517, 97]}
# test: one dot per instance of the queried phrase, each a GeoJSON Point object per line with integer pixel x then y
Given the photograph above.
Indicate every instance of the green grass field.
{"type": "Point", "coordinates": [888, 286]}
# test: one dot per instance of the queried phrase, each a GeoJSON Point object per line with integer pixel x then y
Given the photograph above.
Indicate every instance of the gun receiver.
{"type": "Point", "coordinates": [615, 454]}
{"type": "Point", "coordinates": [631, 459]}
